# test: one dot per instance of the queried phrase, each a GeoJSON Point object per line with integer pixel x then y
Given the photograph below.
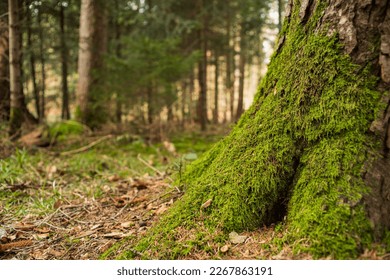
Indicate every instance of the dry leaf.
{"type": "Point", "coordinates": [206, 204]}
{"type": "Point", "coordinates": [127, 224]}
{"type": "Point", "coordinates": [169, 147]}
{"type": "Point", "coordinates": [225, 248]}
{"type": "Point", "coordinates": [161, 210]}
{"type": "Point", "coordinates": [55, 253]}
{"type": "Point", "coordinates": [41, 236]}
{"type": "Point", "coordinates": [235, 238]}
{"type": "Point", "coordinates": [114, 178]}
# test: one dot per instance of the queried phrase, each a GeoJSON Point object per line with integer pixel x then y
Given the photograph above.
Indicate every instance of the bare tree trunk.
{"type": "Point", "coordinates": [184, 97]}
{"type": "Point", "coordinates": [32, 61]}
{"type": "Point", "coordinates": [202, 73]}
{"type": "Point", "coordinates": [149, 96]}
{"type": "Point", "coordinates": [4, 74]}
{"type": "Point", "coordinates": [241, 81]}
{"type": "Point", "coordinates": [118, 103]}
{"type": "Point", "coordinates": [17, 98]}
{"type": "Point", "coordinates": [92, 47]}
{"type": "Point", "coordinates": [43, 70]}
{"type": "Point", "coordinates": [230, 65]}
{"type": "Point", "coordinates": [216, 90]}
{"type": "Point", "coordinates": [280, 10]}
{"type": "Point", "coordinates": [65, 112]}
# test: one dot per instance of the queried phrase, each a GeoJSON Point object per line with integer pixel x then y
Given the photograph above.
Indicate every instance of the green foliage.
{"type": "Point", "coordinates": [298, 151]}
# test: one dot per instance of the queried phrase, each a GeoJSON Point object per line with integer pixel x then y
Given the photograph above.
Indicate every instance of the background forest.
{"type": "Point", "coordinates": [145, 63]}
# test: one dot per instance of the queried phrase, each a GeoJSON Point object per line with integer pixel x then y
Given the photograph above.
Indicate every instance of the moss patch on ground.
{"type": "Point", "coordinates": [297, 153]}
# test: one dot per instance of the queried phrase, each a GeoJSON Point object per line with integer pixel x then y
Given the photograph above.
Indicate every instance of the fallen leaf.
{"type": "Point", "coordinates": [235, 238]}
{"type": "Point", "coordinates": [55, 253]}
{"type": "Point", "coordinates": [114, 178]}
{"type": "Point", "coordinates": [225, 248]}
{"type": "Point", "coordinates": [127, 224]}
{"type": "Point", "coordinates": [86, 233]}
{"type": "Point", "coordinates": [206, 204]}
{"type": "Point", "coordinates": [41, 236]}
{"type": "Point", "coordinates": [161, 210]}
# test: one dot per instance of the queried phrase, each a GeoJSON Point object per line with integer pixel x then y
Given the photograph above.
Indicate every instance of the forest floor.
{"type": "Point", "coordinates": [80, 197]}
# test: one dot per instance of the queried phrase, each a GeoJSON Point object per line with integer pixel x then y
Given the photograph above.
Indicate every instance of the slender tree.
{"type": "Point", "coordinates": [4, 73]}
{"type": "Point", "coordinates": [92, 47]}
{"type": "Point", "coordinates": [65, 112]}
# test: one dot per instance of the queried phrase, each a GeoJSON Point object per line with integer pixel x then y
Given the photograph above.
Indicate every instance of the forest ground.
{"type": "Point", "coordinates": [86, 194]}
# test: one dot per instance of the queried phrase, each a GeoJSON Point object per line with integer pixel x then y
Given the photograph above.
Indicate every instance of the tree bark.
{"type": "Point", "coordinates": [202, 72]}
{"type": "Point", "coordinates": [216, 90]}
{"type": "Point", "coordinates": [65, 112]}
{"type": "Point", "coordinates": [17, 97]}
{"type": "Point", "coordinates": [241, 79]}
{"type": "Point", "coordinates": [4, 74]}
{"type": "Point", "coordinates": [43, 68]}
{"type": "Point", "coordinates": [312, 152]}
{"type": "Point", "coordinates": [92, 47]}
{"type": "Point", "coordinates": [230, 64]}
{"type": "Point", "coordinates": [32, 61]}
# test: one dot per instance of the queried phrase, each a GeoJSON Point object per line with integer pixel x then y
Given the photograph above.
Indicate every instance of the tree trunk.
{"type": "Point", "coordinates": [32, 61]}
{"type": "Point", "coordinates": [230, 64]}
{"type": "Point", "coordinates": [17, 98]}
{"type": "Point", "coordinates": [202, 72]}
{"type": "Point", "coordinates": [43, 70]}
{"type": "Point", "coordinates": [118, 51]}
{"type": "Point", "coordinates": [312, 152]}
{"type": "Point", "coordinates": [4, 74]}
{"type": "Point", "coordinates": [216, 90]}
{"type": "Point", "coordinates": [241, 80]}
{"type": "Point", "coordinates": [280, 18]}
{"type": "Point", "coordinates": [65, 112]}
{"type": "Point", "coordinates": [92, 47]}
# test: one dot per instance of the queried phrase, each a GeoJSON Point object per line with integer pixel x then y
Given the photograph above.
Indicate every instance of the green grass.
{"type": "Point", "coordinates": [28, 184]}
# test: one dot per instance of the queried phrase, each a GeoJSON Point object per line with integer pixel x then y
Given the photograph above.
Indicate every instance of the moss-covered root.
{"type": "Point", "coordinates": [298, 151]}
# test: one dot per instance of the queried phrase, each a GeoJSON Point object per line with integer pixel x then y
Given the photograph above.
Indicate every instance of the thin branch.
{"type": "Point", "coordinates": [86, 148]}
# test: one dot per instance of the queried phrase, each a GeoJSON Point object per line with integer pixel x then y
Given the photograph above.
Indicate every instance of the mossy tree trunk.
{"type": "Point", "coordinates": [312, 152]}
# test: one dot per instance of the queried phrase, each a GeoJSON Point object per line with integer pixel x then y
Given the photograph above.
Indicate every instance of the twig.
{"type": "Point", "coordinates": [85, 148]}
{"type": "Point", "coordinates": [148, 165]}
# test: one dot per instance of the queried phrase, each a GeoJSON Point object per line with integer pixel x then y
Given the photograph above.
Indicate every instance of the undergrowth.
{"type": "Point", "coordinates": [296, 155]}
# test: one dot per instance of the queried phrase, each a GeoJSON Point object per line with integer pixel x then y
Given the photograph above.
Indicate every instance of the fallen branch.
{"type": "Point", "coordinates": [86, 148]}
{"type": "Point", "coordinates": [151, 167]}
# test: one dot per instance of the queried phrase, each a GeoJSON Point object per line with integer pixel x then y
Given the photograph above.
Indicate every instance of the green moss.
{"type": "Point", "coordinates": [298, 151]}
{"type": "Point", "coordinates": [62, 130]}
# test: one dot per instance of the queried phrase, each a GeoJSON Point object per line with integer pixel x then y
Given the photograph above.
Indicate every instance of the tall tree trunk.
{"type": "Point", "coordinates": [312, 152]}
{"type": "Point", "coordinates": [92, 47]}
{"type": "Point", "coordinates": [280, 11]}
{"type": "Point", "coordinates": [241, 80]}
{"type": "Point", "coordinates": [230, 63]}
{"type": "Point", "coordinates": [43, 70]}
{"type": "Point", "coordinates": [184, 102]}
{"type": "Point", "coordinates": [202, 72]}
{"type": "Point", "coordinates": [149, 96]}
{"type": "Point", "coordinates": [17, 97]}
{"type": "Point", "coordinates": [65, 112]}
{"type": "Point", "coordinates": [216, 89]}
{"type": "Point", "coordinates": [118, 51]}
{"type": "Point", "coordinates": [4, 74]}
{"type": "Point", "coordinates": [32, 61]}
